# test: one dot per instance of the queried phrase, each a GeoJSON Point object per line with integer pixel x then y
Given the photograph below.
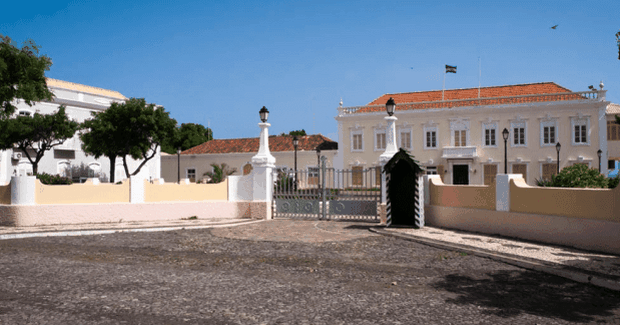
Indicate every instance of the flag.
{"type": "Point", "coordinates": [450, 68]}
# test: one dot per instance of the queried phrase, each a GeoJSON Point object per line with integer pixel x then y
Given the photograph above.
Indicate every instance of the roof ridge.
{"type": "Point", "coordinates": [488, 87]}
{"type": "Point", "coordinates": [83, 85]}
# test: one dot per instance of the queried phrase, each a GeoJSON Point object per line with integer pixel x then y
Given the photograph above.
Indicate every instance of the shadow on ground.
{"type": "Point", "coordinates": [510, 293]}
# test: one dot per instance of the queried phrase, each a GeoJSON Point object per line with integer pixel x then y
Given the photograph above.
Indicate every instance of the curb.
{"type": "Point", "coordinates": [61, 233]}
{"type": "Point", "coordinates": [578, 275]}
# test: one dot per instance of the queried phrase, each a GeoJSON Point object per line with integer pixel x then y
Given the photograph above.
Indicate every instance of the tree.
{"type": "Point", "coordinates": [22, 75]}
{"type": "Point", "coordinates": [220, 172]}
{"type": "Point", "coordinates": [618, 42]}
{"type": "Point", "coordinates": [299, 133]}
{"type": "Point", "coordinates": [578, 175]}
{"type": "Point", "coordinates": [38, 134]}
{"type": "Point", "coordinates": [133, 128]}
{"type": "Point", "coordinates": [186, 136]}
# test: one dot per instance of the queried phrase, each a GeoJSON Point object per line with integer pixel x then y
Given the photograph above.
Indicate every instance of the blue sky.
{"type": "Point", "coordinates": [219, 62]}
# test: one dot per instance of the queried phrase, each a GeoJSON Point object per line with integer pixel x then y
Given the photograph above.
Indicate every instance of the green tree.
{"type": "Point", "coordinates": [37, 134]}
{"type": "Point", "coordinates": [22, 75]}
{"type": "Point", "coordinates": [133, 128]}
{"type": "Point", "coordinates": [578, 175]}
{"type": "Point", "coordinates": [299, 133]}
{"type": "Point", "coordinates": [220, 172]}
{"type": "Point", "coordinates": [186, 136]}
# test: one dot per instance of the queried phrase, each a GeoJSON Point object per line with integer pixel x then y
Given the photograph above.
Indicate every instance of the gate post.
{"type": "Point", "coordinates": [323, 190]}
{"type": "Point", "coordinates": [263, 163]}
{"type": "Point", "coordinates": [390, 151]}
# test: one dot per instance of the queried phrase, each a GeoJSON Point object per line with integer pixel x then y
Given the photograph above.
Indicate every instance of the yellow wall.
{"type": "Point", "coordinates": [464, 196]}
{"type": "Point", "coordinates": [81, 193]}
{"type": "Point", "coordinates": [185, 192]}
{"type": "Point", "coordinates": [5, 194]}
{"type": "Point", "coordinates": [598, 204]}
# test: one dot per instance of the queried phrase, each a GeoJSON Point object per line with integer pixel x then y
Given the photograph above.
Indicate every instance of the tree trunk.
{"type": "Point", "coordinates": [112, 168]}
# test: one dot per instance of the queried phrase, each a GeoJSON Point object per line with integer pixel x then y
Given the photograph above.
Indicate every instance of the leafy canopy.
{"type": "Point", "coordinates": [188, 135]}
{"type": "Point", "coordinates": [130, 129]}
{"type": "Point", "coordinates": [220, 172]}
{"type": "Point", "coordinates": [37, 134]}
{"type": "Point", "coordinates": [22, 75]}
{"type": "Point", "coordinates": [578, 175]}
{"type": "Point", "coordinates": [299, 133]}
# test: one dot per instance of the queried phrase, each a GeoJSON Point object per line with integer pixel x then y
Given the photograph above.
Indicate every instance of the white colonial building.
{"type": "Point", "coordinates": [80, 101]}
{"type": "Point", "coordinates": [460, 137]}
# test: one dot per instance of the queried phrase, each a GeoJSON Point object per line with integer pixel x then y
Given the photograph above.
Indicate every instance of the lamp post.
{"type": "Point", "coordinates": [558, 146]}
{"type": "Point", "coordinates": [295, 144]}
{"type": "Point", "coordinates": [599, 153]}
{"type": "Point", "coordinates": [505, 135]}
{"type": "Point", "coordinates": [390, 148]}
{"type": "Point", "coordinates": [179, 165]}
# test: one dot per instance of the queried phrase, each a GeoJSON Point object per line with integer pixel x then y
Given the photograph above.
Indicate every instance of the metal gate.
{"type": "Point", "coordinates": [328, 193]}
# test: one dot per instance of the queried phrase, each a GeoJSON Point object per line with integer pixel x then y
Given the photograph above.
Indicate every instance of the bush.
{"type": "Point", "coordinates": [613, 182]}
{"type": "Point", "coordinates": [48, 179]}
{"type": "Point", "coordinates": [578, 175]}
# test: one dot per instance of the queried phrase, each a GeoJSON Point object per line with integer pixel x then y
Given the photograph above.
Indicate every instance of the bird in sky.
{"type": "Point", "coordinates": [554, 27]}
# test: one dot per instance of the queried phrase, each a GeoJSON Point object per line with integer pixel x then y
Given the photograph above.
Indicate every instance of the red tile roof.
{"type": "Point", "coordinates": [488, 96]}
{"type": "Point", "coordinates": [276, 143]}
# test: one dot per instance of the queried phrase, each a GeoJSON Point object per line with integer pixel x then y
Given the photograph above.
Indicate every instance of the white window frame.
{"type": "Point", "coordinates": [29, 112]}
{"type": "Point", "coordinates": [431, 170]}
{"type": "Point", "coordinates": [430, 129]}
{"type": "Point", "coordinates": [518, 124]}
{"type": "Point", "coordinates": [459, 125]}
{"type": "Point", "coordinates": [187, 169]}
{"type": "Point", "coordinates": [400, 138]}
{"type": "Point", "coordinates": [548, 123]}
{"type": "Point", "coordinates": [580, 121]}
{"type": "Point", "coordinates": [353, 134]}
{"type": "Point", "coordinates": [62, 167]}
{"type": "Point", "coordinates": [377, 133]}
{"type": "Point", "coordinates": [485, 127]}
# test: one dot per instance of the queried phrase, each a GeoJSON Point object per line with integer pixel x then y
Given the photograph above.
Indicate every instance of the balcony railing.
{"type": "Point", "coordinates": [582, 96]}
{"type": "Point", "coordinates": [459, 152]}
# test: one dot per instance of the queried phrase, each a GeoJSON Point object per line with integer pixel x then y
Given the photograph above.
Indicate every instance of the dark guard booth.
{"type": "Point", "coordinates": [405, 206]}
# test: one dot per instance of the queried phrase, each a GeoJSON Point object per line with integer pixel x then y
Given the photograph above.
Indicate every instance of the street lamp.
{"type": "Point", "coordinates": [505, 134]}
{"type": "Point", "coordinates": [599, 153]}
{"type": "Point", "coordinates": [179, 165]}
{"type": "Point", "coordinates": [389, 106]}
{"type": "Point", "coordinates": [295, 144]}
{"type": "Point", "coordinates": [558, 146]}
{"type": "Point", "coordinates": [264, 114]}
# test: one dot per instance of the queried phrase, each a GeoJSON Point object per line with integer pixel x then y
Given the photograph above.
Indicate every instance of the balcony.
{"type": "Point", "coordinates": [468, 152]}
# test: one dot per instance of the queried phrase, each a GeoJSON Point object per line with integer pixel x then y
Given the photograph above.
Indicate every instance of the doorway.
{"type": "Point", "coordinates": [460, 174]}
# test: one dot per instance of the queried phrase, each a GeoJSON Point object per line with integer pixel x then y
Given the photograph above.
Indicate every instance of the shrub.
{"type": "Point", "coordinates": [578, 175]}
{"type": "Point", "coordinates": [48, 179]}
{"type": "Point", "coordinates": [613, 182]}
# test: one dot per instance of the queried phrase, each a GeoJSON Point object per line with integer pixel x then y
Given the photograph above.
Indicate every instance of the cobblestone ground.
{"type": "Point", "coordinates": [278, 272]}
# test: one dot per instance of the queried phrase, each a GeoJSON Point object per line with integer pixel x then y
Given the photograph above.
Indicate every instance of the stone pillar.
{"type": "Point", "coordinates": [136, 189]}
{"type": "Point", "coordinates": [23, 190]}
{"type": "Point", "coordinates": [502, 191]}
{"type": "Point", "coordinates": [263, 163]}
{"type": "Point", "coordinates": [390, 150]}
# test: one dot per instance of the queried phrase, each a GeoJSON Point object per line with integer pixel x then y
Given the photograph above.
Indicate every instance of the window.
{"type": "Point", "coordinates": [611, 164]}
{"type": "Point", "coordinates": [431, 170]}
{"type": "Point", "coordinates": [430, 140]}
{"type": "Point", "coordinates": [460, 138]}
{"type": "Point", "coordinates": [357, 141]}
{"type": "Point", "coordinates": [247, 168]}
{"type": "Point", "coordinates": [64, 168]}
{"type": "Point", "coordinates": [25, 113]}
{"type": "Point", "coordinates": [313, 175]}
{"type": "Point", "coordinates": [580, 127]}
{"type": "Point", "coordinates": [191, 174]}
{"type": "Point", "coordinates": [548, 132]}
{"type": "Point", "coordinates": [613, 131]}
{"type": "Point", "coordinates": [518, 134]}
{"type": "Point", "coordinates": [580, 133]}
{"type": "Point", "coordinates": [380, 140]}
{"type": "Point", "coordinates": [405, 139]}
{"type": "Point", "coordinates": [489, 137]}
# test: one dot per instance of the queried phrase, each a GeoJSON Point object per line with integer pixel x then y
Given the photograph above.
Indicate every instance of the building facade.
{"type": "Point", "coordinates": [460, 137]}
{"type": "Point", "coordinates": [193, 163]}
{"type": "Point", "coordinates": [80, 101]}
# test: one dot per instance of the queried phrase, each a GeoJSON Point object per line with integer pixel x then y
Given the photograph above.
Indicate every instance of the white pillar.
{"type": "Point", "coordinates": [390, 150]}
{"type": "Point", "coordinates": [502, 191]}
{"type": "Point", "coordinates": [263, 163]}
{"type": "Point", "coordinates": [23, 190]}
{"type": "Point", "coordinates": [136, 189]}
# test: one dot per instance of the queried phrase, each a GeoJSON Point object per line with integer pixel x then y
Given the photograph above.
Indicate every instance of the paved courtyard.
{"type": "Point", "coordinates": [278, 272]}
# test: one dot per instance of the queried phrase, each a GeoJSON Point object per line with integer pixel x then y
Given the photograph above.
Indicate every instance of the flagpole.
{"type": "Point", "coordinates": [444, 84]}
{"type": "Point", "coordinates": [479, 75]}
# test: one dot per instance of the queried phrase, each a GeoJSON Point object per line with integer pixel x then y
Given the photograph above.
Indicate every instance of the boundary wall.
{"type": "Point", "coordinates": [581, 218]}
{"type": "Point", "coordinates": [27, 202]}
